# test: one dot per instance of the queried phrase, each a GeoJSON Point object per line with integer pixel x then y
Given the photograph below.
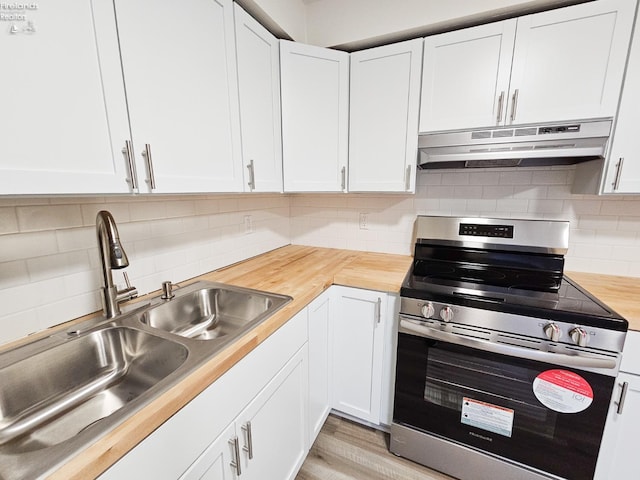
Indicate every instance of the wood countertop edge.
{"type": "Point", "coordinates": [107, 450]}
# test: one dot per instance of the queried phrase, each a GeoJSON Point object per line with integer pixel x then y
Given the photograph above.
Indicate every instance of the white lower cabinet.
{"type": "Point", "coordinates": [268, 388]}
{"type": "Point", "coordinates": [361, 346]}
{"type": "Point", "coordinates": [619, 443]}
{"type": "Point", "coordinates": [319, 371]}
{"type": "Point", "coordinates": [268, 439]}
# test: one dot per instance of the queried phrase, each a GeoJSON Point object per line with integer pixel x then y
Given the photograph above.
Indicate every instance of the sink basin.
{"type": "Point", "coordinates": [55, 394]}
{"type": "Point", "coordinates": [213, 312]}
{"type": "Point", "coordinates": [60, 393]}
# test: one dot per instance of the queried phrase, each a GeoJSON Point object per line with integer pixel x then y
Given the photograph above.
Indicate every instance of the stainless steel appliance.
{"type": "Point", "coordinates": [562, 143]}
{"type": "Point", "coordinates": [505, 367]}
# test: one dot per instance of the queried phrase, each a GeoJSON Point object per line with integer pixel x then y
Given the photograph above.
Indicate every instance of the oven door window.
{"type": "Point", "coordinates": [487, 401]}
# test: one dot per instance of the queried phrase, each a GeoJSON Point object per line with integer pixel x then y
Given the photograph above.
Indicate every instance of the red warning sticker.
{"type": "Point", "coordinates": [563, 391]}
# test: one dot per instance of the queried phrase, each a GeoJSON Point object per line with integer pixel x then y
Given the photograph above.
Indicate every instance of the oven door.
{"type": "Point", "coordinates": [532, 412]}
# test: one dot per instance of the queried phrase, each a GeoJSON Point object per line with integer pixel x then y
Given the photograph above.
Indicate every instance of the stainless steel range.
{"type": "Point", "coordinates": [505, 367]}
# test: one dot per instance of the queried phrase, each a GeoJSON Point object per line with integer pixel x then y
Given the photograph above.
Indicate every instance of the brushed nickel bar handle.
{"type": "Point", "coordinates": [500, 107]}
{"type": "Point", "coordinates": [514, 104]}
{"type": "Point", "coordinates": [128, 153]}
{"type": "Point", "coordinates": [623, 397]}
{"type": "Point", "coordinates": [616, 180]}
{"type": "Point", "coordinates": [378, 310]}
{"type": "Point", "coordinates": [235, 463]}
{"type": "Point", "coordinates": [249, 446]}
{"type": "Point", "coordinates": [147, 155]}
{"type": "Point", "coordinates": [344, 178]}
{"type": "Point", "coordinates": [407, 178]}
{"type": "Point", "coordinates": [252, 175]}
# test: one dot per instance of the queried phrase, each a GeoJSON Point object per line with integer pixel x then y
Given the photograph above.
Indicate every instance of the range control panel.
{"type": "Point", "coordinates": [476, 230]}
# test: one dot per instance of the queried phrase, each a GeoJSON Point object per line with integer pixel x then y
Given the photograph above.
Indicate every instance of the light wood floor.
{"type": "Point", "coordinates": [345, 450]}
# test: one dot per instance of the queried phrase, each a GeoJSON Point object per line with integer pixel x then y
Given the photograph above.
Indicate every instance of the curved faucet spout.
{"type": "Point", "coordinates": [112, 255]}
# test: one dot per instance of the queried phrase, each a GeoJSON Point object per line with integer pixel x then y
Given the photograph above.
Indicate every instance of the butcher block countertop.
{"type": "Point", "coordinates": [620, 293]}
{"type": "Point", "coordinates": [303, 273]}
{"type": "Point", "coordinates": [298, 271]}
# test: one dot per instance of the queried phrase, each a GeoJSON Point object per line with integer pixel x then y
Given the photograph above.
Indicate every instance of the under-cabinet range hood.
{"type": "Point", "coordinates": [562, 143]}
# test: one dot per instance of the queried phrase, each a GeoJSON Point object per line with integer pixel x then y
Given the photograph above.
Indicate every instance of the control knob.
{"type": "Point", "coordinates": [579, 336]}
{"type": "Point", "coordinates": [428, 310]}
{"type": "Point", "coordinates": [446, 313]}
{"type": "Point", "coordinates": [552, 331]}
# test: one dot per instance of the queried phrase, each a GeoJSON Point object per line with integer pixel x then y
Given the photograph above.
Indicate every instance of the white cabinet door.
{"type": "Point", "coordinates": [218, 461]}
{"type": "Point", "coordinates": [623, 170]}
{"type": "Point", "coordinates": [465, 77]}
{"type": "Point", "coordinates": [319, 364]}
{"type": "Point", "coordinates": [182, 93]}
{"type": "Point", "coordinates": [259, 89]}
{"type": "Point", "coordinates": [182, 439]}
{"type": "Point", "coordinates": [568, 63]}
{"type": "Point", "coordinates": [357, 359]}
{"type": "Point", "coordinates": [617, 457]}
{"type": "Point", "coordinates": [384, 108]}
{"type": "Point", "coordinates": [273, 428]}
{"type": "Point", "coordinates": [315, 113]}
{"type": "Point", "coordinates": [64, 118]}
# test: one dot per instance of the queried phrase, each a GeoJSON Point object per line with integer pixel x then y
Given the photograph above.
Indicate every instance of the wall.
{"type": "Point", "coordinates": [604, 236]}
{"type": "Point", "coordinates": [49, 265]}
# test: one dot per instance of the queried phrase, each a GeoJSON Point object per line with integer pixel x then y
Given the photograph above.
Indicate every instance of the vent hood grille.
{"type": "Point", "coordinates": [524, 145]}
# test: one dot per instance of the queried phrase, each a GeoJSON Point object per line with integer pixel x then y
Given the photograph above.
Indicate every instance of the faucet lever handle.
{"type": "Point", "coordinates": [126, 279]}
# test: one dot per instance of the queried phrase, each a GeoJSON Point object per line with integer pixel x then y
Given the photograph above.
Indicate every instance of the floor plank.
{"type": "Point", "coordinates": [345, 450]}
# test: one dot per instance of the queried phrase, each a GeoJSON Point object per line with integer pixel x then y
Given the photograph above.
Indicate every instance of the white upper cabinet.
{"type": "Point", "coordinates": [182, 93]}
{"type": "Point", "coordinates": [562, 64]}
{"type": "Point", "coordinates": [623, 171]}
{"type": "Point", "coordinates": [259, 89]}
{"type": "Point", "coordinates": [64, 119]}
{"type": "Point", "coordinates": [383, 121]}
{"type": "Point", "coordinates": [315, 117]}
{"type": "Point", "coordinates": [569, 63]}
{"type": "Point", "coordinates": [465, 77]}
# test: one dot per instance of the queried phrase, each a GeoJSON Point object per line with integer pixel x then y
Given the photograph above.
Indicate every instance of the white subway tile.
{"type": "Point", "coordinates": [18, 325]}
{"type": "Point", "coordinates": [58, 265]}
{"type": "Point", "coordinates": [26, 245]}
{"type": "Point", "coordinates": [119, 211]}
{"type": "Point", "coordinates": [71, 239]}
{"type": "Point", "coordinates": [545, 206]}
{"type": "Point", "coordinates": [515, 177]}
{"type": "Point", "coordinates": [13, 274]}
{"type": "Point", "coordinates": [620, 208]}
{"type": "Point", "coordinates": [631, 224]}
{"type": "Point", "coordinates": [8, 220]}
{"type": "Point", "coordinates": [48, 217]}
{"type": "Point", "coordinates": [149, 210]}
{"type": "Point", "coordinates": [597, 222]}
{"type": "Point", "coordinates": [549, 177]}
{"type": "Point", "coordinates": [455, 178]}
{"type": "Point", "coordinates": [513, 205]}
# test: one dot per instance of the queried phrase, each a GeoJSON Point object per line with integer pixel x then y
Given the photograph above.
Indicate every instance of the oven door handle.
{"type": "Point", "coordinates": [586, 361]}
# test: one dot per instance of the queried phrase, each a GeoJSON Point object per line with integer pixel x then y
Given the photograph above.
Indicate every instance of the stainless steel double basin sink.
{"type": "Point", "coordinates": [60, 393]}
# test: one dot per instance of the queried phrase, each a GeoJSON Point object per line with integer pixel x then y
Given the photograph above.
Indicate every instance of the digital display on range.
{"type": "Point", "coordinates": [494, 231]}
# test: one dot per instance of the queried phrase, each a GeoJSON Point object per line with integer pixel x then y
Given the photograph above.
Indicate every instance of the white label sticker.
{"type": "Point", "coordinates": [563, 391]}
{"type": "Point", "coordinates": [486, 416]}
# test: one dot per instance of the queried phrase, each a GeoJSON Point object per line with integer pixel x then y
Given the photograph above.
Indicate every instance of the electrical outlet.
{"type": "Point", "coordinates": [364, 221]}
{"type": "Point", "coordinates": [248, 224]}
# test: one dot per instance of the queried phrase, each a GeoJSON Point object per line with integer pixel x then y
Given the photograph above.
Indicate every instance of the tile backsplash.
{"type": "Point", "coordinates": [605, 230]}
{"type": "Point", "coordinates": [49, 265]}
{"type": "Point", "coordinates": [50, 271]}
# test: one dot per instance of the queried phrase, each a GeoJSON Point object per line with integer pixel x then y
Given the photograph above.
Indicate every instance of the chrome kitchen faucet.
{"type": "Point", "coordinates": [112, 255]}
